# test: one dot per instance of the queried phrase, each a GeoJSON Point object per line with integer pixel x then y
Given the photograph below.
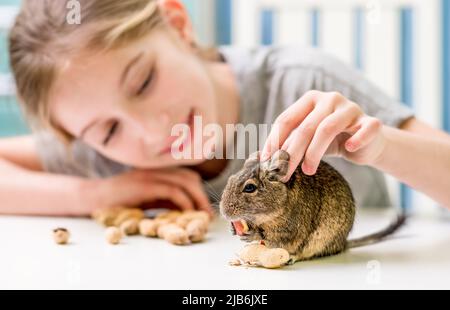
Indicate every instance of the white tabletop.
{"type": "Point", "coordinates": [419, 257]}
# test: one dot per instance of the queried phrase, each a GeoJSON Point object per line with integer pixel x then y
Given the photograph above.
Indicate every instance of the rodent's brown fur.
{"type": "Point", "coordinates": [309, 216]}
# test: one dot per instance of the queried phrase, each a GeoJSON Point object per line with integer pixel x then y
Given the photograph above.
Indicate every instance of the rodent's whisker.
{"type": "Point", "coordinates": [211, 191]}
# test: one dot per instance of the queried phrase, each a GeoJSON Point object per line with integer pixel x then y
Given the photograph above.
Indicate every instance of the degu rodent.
{"type": "Point", "coordinates": [308, 216]}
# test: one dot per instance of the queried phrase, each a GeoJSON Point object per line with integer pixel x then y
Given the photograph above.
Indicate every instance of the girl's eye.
{"type": "Point", "coordinates": [249, 188]}
{"type": "Point", "coordinates": [146, 83]}
{"type": "Point", "coordinates": [111, 133]}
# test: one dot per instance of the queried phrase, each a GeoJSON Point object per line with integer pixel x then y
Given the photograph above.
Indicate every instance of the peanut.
{"type": "Point", "coordinates": [130, 227]}
{"type": "Point", "coordinates": [184, 219]}
{"type": "Point", "coordinates": [273, 258]}
{"type": "Point", "coordinates": [149, 228]}
{"type": "Point", "coordinates": [196, 230]}
{"type": "Point", "coordinates": [106, 216]}
{"type": "Point", "coordinates": [260, 255]}
{"type": "Point", "coordinates": [113, 235]}
{"type": "Point", "coordinates": [174, 234]}
{"type": "Point", "coordinates": [61, 236]}
{"type": "Point", "coordinates": [127, 214]}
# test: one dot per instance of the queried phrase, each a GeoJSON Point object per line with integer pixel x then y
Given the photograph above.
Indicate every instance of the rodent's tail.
{"type": "Point", "coordinates": [379, 236]}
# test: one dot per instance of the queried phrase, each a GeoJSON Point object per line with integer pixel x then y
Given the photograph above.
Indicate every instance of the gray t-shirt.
{"type": "Point", "coordinates": [269, 79]}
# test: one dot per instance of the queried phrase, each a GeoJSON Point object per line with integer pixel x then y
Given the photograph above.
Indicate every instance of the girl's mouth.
{"type": "Point", "coordinates": [190, 122]}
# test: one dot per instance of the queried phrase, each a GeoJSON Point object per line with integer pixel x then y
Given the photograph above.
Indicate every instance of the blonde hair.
{"type": "Point", "coordinates": [42, 37]}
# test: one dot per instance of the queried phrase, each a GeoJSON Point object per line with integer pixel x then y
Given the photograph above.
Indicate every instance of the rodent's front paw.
{"type": "Point", "coordinates": [292, 260]}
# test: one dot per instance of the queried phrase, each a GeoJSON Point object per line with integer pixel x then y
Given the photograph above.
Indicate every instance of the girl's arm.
{"type": "Point", "coordinates": [27, 190]}
{"type": "Point", "coordinates": [418, 156]}
{"type": "Point", "coordinates": [321, 123]}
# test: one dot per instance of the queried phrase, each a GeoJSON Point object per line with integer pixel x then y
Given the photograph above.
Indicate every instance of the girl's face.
{"type": "Point", "coordinates": [124, 103]}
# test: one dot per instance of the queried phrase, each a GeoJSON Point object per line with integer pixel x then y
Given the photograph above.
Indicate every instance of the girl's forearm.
{"type": "Point", "coordinates": [24, 192]}
{"type": "Point", "coordinates": [420, 162]}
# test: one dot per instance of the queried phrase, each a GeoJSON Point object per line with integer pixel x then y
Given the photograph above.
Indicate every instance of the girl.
{"type": "Point", "coordinates": [104, 94]}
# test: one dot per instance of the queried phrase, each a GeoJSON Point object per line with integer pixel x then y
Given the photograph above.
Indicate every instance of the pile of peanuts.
{"type": "Point", "coordinates": [176, 227]}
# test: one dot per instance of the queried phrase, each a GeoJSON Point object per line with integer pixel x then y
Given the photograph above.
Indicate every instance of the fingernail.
{"type": "Point", "coordinates": [306, 169]}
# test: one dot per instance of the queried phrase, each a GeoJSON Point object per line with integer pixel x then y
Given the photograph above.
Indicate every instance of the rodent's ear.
{"type": "Point", "coordinates": [278, 165]}
{"type": "Point", "coordinates": [252, 159]}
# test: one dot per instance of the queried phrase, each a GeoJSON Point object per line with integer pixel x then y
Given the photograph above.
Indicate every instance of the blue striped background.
{"type": "Point", "coordinates": [267, 27]}
{"type": "Point", "coordinates": [11, 121]}
{"type": "Point", "coordinates": [358, 28]}
{"type": "Point", "coordinates": [406, 79]}
{"type": "Point", "coordinates": [446, 63]}
{"type": "Point", "coordinates": [315, 30]}
{"type": "Point", "coordinates": [223, 21]}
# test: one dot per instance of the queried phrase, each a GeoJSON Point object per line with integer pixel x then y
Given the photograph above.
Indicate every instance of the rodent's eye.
{"type": "Point", "coordinates": [249, 188]}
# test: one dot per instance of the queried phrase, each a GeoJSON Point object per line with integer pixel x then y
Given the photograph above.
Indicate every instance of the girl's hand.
{"type": "Point", "coordinates": [181, 187]}
{"type": "Point", "coordinates": [321, 124]}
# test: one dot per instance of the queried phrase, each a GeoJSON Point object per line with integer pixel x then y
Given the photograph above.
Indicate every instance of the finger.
{"type": "Point", "coordinates": [152, 191]}
{"type": "Point", "coordinates": [197, 190]}
{"type": "Point", "coordinates": [326, 132]}
{"type": "Point", "coordinates": [286, 122]}
{"type": "Point", "coordinates": [168, 192]}
{"type": "Point", "coordinates": [145, 187]}
{"type": "Point", "coordinates": [137, 186]}
{"type": "Point", "coordinates": [370, 127]}
{"type": "Point", "coordinates": [303, 136]}
{"type": "Point", "coordinates": [190, 182]}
